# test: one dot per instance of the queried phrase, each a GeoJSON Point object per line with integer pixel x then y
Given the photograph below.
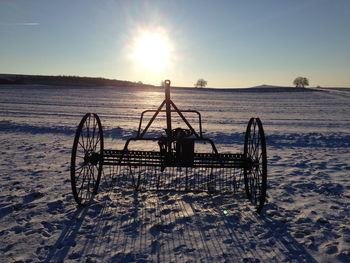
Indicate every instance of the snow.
{"type": "Point", "coordinates": [306, 218]}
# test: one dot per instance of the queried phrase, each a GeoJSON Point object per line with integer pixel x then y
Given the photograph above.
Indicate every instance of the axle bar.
{"type": "Point", "coordinates": [152, 158]}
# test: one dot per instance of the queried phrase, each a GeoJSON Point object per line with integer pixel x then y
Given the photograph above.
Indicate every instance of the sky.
{"type": "Point", "coordinates": [231, 44]}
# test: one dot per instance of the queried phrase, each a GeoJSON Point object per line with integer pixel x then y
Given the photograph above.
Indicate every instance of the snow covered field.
{"type": "Point", "coordinates": [306, 218]}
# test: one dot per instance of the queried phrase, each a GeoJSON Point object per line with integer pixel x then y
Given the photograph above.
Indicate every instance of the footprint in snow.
{"type": "Point", "coordinates": [228, 241]}
{"type": "Point", "coordinates": [132, 227]}
{"type": "Point", "coordinates": [121, 257]}
{"type": "Point", "coordinates": [91, 258]}
{"type": "Point", "coordinates": [157, 228]}
{"type": "Point", "coordinates": [179, 248]}
{"type": "Point", "coordinates": [106, 229]}
{"type": "Point", "coordinates": [6, 210]}
{"type": "Point", "coordinates": [170, 202]}
{"type": "Point", "coordinates": [69, 242]}
{"type": "Point", "coordinates": [208, 227]}
{"type": "Point", "coordinates": [276, 158]}
{"type": "Point", "coordinates": [210, 218]}
{"type": "Point", "coordinates": [31, 197]}
{"type": "Point", "coordinates": [18, 229]}
{"type": "Point", "coordinates": [331, 249]}
{"type": "Point", "coordinates": [48, 226]}
{"type": "Point", "coordinates": [303, 220]}
{"type": "Point", "coordinates": [183, 249]}
{"type": "Point", "coordinates": [166, 211]}
{"type": "Point", "coordinates": [331, 189]}
{"type": "Point", "coordinates": [74, 255]}
{"type": "Point", "coordinates": [124, 217]}
{"type": "Point", "coordinates": [183, 220]}
{"type": "Point", "coordinates": [55, 206]}
{"type": "Point", "coordinates": [155, 246]}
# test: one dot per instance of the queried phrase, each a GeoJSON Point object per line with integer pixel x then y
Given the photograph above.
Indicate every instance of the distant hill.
{"type": "Point", "coordinates": [66, 81]}
{"type": "Point", "coordinates": [262, 88]}
{"type": "Point", "coordinates": [271, 88]}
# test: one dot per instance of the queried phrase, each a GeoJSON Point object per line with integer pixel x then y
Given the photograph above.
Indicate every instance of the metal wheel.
{"type": "Point", "coordinates": [87, 158]}
{"type": "Point", "coordinates": [255, 172]}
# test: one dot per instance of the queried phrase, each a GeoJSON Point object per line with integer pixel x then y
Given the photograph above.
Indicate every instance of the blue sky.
{"type": "Point", "coordinates": [228, 43]}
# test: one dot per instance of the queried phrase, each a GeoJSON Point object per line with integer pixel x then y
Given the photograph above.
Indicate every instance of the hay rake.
{"type": "Point", "coordinates": [177, 165]}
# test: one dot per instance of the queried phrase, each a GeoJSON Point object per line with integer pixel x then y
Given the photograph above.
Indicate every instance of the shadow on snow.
{"type": "Point", "coordinates": [173, 227]}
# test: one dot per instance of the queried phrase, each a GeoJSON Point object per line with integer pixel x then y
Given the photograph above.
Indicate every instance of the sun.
{"type": "Point", "coordinates": [152, 49]}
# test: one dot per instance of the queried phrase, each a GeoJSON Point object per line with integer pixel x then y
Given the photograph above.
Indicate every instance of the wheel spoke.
{"type": "Point", "coordinates": [80, 173]}
{"type": "Point", "coordinates": [97, 141]}
{"type": "Point", "coordinates": [82, 145]}
{"type": "Point", "coordinates": [88, 183]}
{"type": "Point", "coordinates": [81, 167]}
{"type": "Point", "coordinates": [85, 137]}
{"type": "Point", "coordinates": [93, 134]}
{"type": "Point", "coordinates": [81, 186]}
{"type": "Point", "coordinates": [93, 173]}
{"type": "Point", "coordinates": [88, 133]}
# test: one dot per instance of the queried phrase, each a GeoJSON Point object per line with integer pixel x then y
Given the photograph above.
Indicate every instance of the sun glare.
{"type": "Point", "coordinates": [152, 49]}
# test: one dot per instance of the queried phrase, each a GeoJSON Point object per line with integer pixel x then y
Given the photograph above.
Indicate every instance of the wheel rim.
{"type": "Point", "coordinates": [86, 161]}
{"type": "Point", "coordinates": [255, 172]}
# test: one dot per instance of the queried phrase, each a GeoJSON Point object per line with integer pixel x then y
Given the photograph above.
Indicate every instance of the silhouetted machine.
{"type": "Point", "coordinates": [177, 165]}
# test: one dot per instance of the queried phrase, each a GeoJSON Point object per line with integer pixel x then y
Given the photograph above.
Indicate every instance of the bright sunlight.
{"type": "Point", "coordinates": [152, 49]}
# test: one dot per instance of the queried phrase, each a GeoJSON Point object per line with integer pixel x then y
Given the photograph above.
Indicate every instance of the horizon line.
{"type": "Point", "coordinates": [132, 81]}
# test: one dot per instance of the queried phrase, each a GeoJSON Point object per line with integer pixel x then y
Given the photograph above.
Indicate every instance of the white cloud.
{"type": "Point", "coordinates": [20, 24]}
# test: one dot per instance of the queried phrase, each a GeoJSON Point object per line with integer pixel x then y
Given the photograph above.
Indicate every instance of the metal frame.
{"type": "Point", "coordinates": [176, 166]}
{"type": "Point", "coordinates": [166, 157]}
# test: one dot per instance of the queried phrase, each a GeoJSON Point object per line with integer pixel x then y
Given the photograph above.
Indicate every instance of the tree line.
{"type": "Point", "coordinates": [68, 80]}
{"type": "Point", "coordinates": [299, 82]}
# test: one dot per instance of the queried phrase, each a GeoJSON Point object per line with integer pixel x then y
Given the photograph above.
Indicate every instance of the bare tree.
{"type": "Point", "coordinates": [301, 82]}
{"type": "Point", "coordinates": [201, 83]}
